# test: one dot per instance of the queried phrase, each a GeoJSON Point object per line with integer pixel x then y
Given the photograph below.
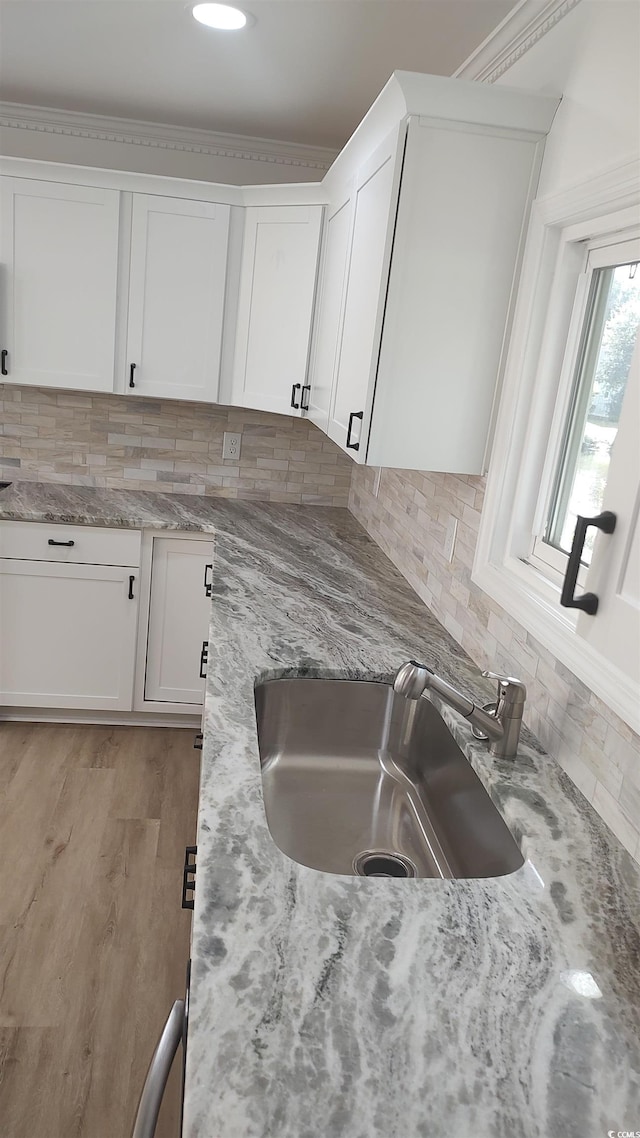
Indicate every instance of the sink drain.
{"type": "Point", "coordinates": [380, 863]}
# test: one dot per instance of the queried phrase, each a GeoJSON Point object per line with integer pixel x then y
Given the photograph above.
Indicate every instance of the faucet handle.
{"type": "Point", "coordinates": [510, 690]}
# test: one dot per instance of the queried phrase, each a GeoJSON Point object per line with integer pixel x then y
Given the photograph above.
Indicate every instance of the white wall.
{"type": "Point", "coordinates": [591, 58]}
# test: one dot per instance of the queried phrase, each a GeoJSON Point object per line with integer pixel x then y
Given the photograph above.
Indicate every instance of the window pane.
{"type": "Point", "coordinates": [611, 328]}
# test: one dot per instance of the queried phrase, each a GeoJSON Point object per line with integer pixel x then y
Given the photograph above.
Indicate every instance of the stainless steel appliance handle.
{"type": "Point", "coordinates": [158, 1073]}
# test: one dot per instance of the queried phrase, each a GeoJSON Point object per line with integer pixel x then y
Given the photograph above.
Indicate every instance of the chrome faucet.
{"type": "Point", "coordinates": [501, 726]}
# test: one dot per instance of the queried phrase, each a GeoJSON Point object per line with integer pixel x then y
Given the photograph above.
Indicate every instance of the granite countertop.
{"type": "Point", "coordinates": [115, 509]}
{"type": "Point", "coordinates": [325, 1006]}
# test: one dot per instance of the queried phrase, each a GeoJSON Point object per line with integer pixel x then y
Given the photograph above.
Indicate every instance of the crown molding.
{"type": "Point", "coordinates": [524, 27]}
{"type": "Point", "coordinates": [133, 132]}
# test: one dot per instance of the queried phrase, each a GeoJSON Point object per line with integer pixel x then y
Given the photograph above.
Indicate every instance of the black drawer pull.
{"type": "Point", "coordinates": [204, 659]}
{"type": "Point", "coordinates": [131, 379]}
{"type": "Point", "coordinates": [189, 876]}
{"type": "Point", "coordinates": [295, 387]}
{"type": "Point", "coordinates": [67, 544]}
{"type": "Point", "coordinates": [198, 741]}
{"type": "Point", "coordinates": [208, 581]}
{"type": "Point", "coordinates": [304, 406]}
{"type": "Point", "coordinates": [352, 416]}
{"type": "Point", "coordinates": [3, 358]}
{"type": "Point", "coordinates": [588, 602]}
{"type": "Point", "coordinates": [131, 580]}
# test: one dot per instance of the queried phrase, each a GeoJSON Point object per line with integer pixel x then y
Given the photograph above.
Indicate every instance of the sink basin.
{"type": "Point", "coordinates": [358, 780]}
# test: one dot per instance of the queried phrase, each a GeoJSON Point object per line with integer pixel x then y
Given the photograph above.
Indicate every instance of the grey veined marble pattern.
{"type": "Point", "coordinates": [334, 1007]}
{"type": "Point", "coordinates": [116, 509]}
{"type": "Point", "coordinates": [337, 1007]}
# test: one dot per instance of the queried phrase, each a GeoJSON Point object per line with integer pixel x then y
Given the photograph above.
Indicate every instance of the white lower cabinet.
{"type": "Point", "coordinates": [104, 621]}
{"type": "Point", "coordinates": [67, 635]}
{"type": "Point", "coordinates": [178, 622]}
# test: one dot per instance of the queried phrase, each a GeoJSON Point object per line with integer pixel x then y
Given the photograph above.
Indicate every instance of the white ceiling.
{"type": "Point", "coordinates": [305, 72]}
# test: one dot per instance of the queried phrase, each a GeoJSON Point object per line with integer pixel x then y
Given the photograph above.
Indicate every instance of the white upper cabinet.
{"type": "Point", "coordinates": [59, 253]}
{"type": "Point", "coordinates": [176, 297]}
{"type": "Point", "coordinates": [368, 266]}
{"type": "Point", "coordinates": [337, 234]}
{"type": "Point", "coordinates": [135, 288]}
{"type": "Point", "coordinates": [432, 259]}
{"type": "Point", "coordinates": [464, 199]}
{"type": "Point", "coordinates": [275, 307]}
{"type": "Point", "coordinates": [412, 336]}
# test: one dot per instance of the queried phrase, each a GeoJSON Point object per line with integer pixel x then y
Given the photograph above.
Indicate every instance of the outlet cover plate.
{"type": "Point", "coordinates": [231, 446]}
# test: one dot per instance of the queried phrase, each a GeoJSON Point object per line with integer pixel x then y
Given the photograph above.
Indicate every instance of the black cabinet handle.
{"type": "Point", "coordinates": [3, 357]}
{"type": "Point", "coordinates": [131, 371]}
{"type": "Point", "coordinates": [131, 580]}
{"type": "Point", "coordinates": [304, 406]}
{"type": "Point", "coordinates": [295, 387]}
{"type": "Point", "coordinates": [588, 602]}
{"type": "Point", "coordinates": [204, 659]}
{"type": "Point", "coordinates": [208, 581]}
{"type": "Point", "coordinates": [198, 741]}
{"type": "Point", "coordinates": [67, 544]}
{"type": "Point", "coordinates": [352, 416]}
{"type": "Point", "coordinates": [189, 876]}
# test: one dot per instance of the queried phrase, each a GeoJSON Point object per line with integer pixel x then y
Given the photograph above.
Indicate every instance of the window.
{"type": "Point", "coordinates": [596, 371]}
{"type": "Point", "coordinates": [567, 439]}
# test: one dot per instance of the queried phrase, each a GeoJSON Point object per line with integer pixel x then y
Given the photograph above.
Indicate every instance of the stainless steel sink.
{"type": "Point", "coordinates": [359, 780]}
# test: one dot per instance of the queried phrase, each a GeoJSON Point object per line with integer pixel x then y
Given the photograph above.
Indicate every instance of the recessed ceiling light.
{"type": "Point", "coordinates": [221, 16]}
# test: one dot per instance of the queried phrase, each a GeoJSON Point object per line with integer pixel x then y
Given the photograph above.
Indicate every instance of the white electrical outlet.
{"type": "Point", "coordinates": [231, 445]}
{"type": "Point", "coordinates": [450, 538]}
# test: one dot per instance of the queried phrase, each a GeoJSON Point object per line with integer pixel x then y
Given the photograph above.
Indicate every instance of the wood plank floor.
{"type": "Point", "coordinates": [93, 940]}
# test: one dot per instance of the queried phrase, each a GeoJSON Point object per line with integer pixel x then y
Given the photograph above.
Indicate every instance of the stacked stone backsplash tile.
{"type": "Point", "coordinates": [408, 520]}
{"type": "Point", "coordinates": [165, 445]}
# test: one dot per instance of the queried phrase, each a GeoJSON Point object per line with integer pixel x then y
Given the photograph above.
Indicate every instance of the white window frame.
{"type": "Point", "coordinates": [547, 323]}
{"type": "Point", "coordinates": [599, 254]}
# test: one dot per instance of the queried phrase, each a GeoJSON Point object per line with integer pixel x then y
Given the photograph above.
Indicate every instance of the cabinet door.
{"type": "Point", "coordinates": [178, 620]}
{"type": "Point", "coordinates": [457, 238]}
{"type": "Point", "coordinates": [176, 297]}
{"type": "Point", "coordinates": [60, 254]}
{"type": "Point", "coordinates": [67, 635]}
{"type": "Point", "coordinates": [277, 287]}
{"type": "Point", "coordinates": [364, 303]}
{"type": "Point", "coordinates": [328, 325]}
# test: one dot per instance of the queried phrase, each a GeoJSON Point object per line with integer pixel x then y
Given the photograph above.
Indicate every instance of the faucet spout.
{"type": "Point", "coordinates": [502, 727]}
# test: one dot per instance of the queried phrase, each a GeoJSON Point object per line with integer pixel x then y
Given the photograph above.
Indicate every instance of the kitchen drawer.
{"type": "Point", "coordinates": [31, 541]}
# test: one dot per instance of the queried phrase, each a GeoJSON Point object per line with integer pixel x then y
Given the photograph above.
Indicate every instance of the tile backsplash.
{"type": "Point", "coordinates": [408, 519]}
{"type": "Point", "coordinates": [176, 447]}
{"type": "Point", "coordinates": [166, 445]}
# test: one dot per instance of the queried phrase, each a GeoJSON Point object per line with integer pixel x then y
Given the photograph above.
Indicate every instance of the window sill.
{"type": "Point", "coordinates": [533, 601]}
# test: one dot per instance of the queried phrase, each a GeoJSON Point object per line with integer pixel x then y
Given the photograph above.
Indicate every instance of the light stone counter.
{"type": "Point", "coordinates": [336, 1007]}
